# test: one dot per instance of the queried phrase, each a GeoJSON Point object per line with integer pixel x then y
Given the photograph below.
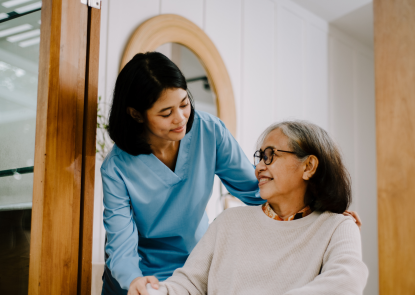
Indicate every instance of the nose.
{"type": "Point", "coordinates": [260, 167]}
{"type": "Point", "coordinates": [179, 117]}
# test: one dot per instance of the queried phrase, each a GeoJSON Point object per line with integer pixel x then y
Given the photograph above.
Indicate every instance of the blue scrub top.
{"type": "Point", "coordinates": [153, 216]}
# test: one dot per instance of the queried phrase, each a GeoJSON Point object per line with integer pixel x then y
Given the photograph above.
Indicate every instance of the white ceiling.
{"type": "Point", "coordinates": [331, 10]}
{"type": "Point", "coordinates": [354, 17]}
{"type": "Point", "coordinates": [359, 24]}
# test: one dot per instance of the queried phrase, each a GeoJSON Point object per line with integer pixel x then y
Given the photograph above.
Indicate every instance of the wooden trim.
{"type": "Point", "coordinates": [62, 157]}
{"type": "Point", "coordinates": [395, 124]}
{"type": "Point", "coordinates": [168, 28]}
{"type": "Point", "coordinates": [89, 152]}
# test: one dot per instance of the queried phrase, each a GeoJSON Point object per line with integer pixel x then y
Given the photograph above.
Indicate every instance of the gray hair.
{"type": "Point", "coordinates": [299, 132]}
{"type": "Point", "coordinates": [330, 187]}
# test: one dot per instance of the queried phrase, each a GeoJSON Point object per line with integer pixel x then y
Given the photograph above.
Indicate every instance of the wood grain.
{"type": "Point", "coordinates": [89, 152]}
{"type": "Point", "coordinates": [168, 28]}
{"type": "Point", "coordinates": [62, 155]}
{"type": "Point", "coordinates": [395, 123]}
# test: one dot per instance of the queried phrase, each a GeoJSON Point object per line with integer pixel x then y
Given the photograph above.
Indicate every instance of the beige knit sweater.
{"type": "Point", "coordinates": [246, 252]}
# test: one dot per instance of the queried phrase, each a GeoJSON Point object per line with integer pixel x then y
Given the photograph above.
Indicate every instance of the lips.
{"type": "Point", "coordinates": [179, 129]}
{"type": "Point", "coordinates": [263, 180]}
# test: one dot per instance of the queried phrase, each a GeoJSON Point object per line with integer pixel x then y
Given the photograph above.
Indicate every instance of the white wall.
{"type": "Point", "coordinates": [352, 123]}
{"type": "Point", "coordinates": [284, 62]}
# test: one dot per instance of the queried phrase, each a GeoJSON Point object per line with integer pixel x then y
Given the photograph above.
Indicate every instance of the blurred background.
{"type": "Point", "coordinates": [287, 59]}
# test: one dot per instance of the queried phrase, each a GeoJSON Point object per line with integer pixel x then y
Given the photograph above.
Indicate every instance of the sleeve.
{"type": "Point", "coordinates": [122, 237]}
{"type": "Point", "coordinates": [343, 272]}
{"type": "Point", "coordinates": [192, 278]}
{"type": "Point", "coordinates": [234, 168]}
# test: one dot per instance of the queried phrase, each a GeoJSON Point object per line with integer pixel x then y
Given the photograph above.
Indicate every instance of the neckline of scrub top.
{"type": "Point", "coordinates": [166, 175]}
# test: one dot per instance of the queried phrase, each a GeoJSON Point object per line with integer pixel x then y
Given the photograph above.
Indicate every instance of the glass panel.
{"type": "Point", "coordinates": [19, 59]}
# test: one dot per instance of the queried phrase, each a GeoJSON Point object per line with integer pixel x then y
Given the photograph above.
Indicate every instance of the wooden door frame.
{"type": "Point", "coordinates": [64, 170]}
{"type": "Point", "coordinates": [395, 130]}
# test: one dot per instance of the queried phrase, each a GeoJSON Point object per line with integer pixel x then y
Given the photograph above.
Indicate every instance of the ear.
{"type": "Point", "coordinates": [310, 167]}
{"type": "Point", "coordinates": [135, 114]}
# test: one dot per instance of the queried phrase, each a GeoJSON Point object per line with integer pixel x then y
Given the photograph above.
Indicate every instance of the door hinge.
{"type": "Point", "coordinates": [92, 3]}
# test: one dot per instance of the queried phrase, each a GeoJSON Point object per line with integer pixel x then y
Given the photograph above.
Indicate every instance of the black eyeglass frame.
{"type": "Point", "coordinates": [262, 155]}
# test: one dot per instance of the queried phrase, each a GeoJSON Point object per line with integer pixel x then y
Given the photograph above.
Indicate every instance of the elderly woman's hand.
{"type": "Point", "coordinates": [355, 216]}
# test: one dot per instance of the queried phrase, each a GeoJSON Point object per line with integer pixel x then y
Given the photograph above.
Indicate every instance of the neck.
{"type": "Point", "coordinates": [287, 205]}
{"type": "Point", "coordinates": [165, 150]}
{"type": "Point", "coordinates": [164, 147]}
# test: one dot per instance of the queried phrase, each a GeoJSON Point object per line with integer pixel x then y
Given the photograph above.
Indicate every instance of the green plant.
{"type": "Point", "coordinates": [104, 143]}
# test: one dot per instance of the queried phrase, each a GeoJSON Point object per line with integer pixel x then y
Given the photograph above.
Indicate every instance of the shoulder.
{"type": "Point", "coordinates": [337, 219]}
{"type": "Point", "coordinates": [206, 117]}
{"type": "Point", "coordinates": [208, 120]}
{"type": "Point", "coordinates": [211, 124]}
{"type": "Point", "coordinates": [237, 214]}
{"type": "Point", "coordinates": [114, 160]}
{"type": "Point", "coordinates": [342, 226]}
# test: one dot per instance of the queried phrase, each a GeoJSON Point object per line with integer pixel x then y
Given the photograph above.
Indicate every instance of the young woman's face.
{"type": "Point", "coordinates": [284, 176]}
{"type": "Point", "coordinates": [168, 117]}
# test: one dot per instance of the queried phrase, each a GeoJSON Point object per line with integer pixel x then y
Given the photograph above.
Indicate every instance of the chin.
{"type": "Point", "coordinates": [264, 195]}
{"type": "Point", "coordinates": [177, 136]}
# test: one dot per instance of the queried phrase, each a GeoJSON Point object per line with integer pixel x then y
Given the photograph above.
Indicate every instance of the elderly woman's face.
{"type": "Point", "coordinates": [284, 176]}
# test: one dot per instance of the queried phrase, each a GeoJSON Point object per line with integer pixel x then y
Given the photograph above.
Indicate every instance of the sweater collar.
{"type": "Point", "coordinates": [267, 209]}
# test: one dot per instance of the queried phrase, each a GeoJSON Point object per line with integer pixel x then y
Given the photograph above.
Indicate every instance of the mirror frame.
{"type": "Point", "coordinates": [171, 28]}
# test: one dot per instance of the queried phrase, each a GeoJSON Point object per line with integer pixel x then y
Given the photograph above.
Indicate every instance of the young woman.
{"type": "Point", "coordinates": [158, 177]}
{"type": "Point", "coordinates": [297, 242]}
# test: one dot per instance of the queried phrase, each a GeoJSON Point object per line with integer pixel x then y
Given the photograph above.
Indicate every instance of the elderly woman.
{"type": "Point", "coordinates": [297, 242]}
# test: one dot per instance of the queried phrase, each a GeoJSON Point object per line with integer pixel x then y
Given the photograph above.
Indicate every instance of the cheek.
{"type": "Point", "coordinates": [284, 175]}
{"type": "Point", "coordinates": [158, 125]}
{"type": "Point", "coordinates": [187, 111]}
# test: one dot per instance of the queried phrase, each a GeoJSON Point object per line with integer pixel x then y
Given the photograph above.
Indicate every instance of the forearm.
{"type": "Point", "coordinates": [122, 236]}
{"type": "Point", "coordinates": [192, 278]}
{"type": "Point", "coordinates": [343, 272]}
{"type": "Point", "coordinates": [336, 282]}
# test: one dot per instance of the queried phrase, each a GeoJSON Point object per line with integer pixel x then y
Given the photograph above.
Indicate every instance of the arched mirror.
{"type": "Point", "coordinates": [196, 77]}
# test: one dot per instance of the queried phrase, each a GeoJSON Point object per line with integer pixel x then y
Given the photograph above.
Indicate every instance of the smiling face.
{"type": "Point", "coordinates": [284, 177]}
{"type": "Point", "coordinates": [168, 117]}
{"type": "Point", "coordinates": [166, 120]}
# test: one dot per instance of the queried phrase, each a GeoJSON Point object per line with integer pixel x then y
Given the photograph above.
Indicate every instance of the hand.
{"type": "Point", "coordinates": [355, 217]}
{"type": "Point", "coordinates": [138, 285]}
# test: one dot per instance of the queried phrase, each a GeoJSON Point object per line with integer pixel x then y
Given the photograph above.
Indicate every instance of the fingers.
{"type": "Point", "coordinates": [142, 289]}
{"type": "Point", "coordinates": [133, 291]}
{"type": "Point", "coordinates": [348, 214]}
{"type": "Point", "coordinates": [153, 281]}
{"type": "Point", "coordinates": [138, 286]}
{"type": "Point", "coordinates": [355, 217]}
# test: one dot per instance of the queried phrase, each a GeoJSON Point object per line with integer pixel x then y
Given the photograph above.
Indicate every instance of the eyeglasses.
{"type": "Point", "coordinates": [267, 155]}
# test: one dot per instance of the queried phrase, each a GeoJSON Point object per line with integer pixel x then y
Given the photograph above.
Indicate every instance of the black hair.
{"type": "Point", "coordinates": [139, 85]}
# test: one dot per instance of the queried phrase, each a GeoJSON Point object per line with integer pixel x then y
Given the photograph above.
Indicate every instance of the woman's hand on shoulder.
{"type": "Point", "coordinates": [355, 216]}
{"type": "Point", "coordinates": [139, 285]}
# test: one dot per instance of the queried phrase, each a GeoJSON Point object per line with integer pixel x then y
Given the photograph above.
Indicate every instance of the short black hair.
{"type": "Point", "coordinates": [139, 85]}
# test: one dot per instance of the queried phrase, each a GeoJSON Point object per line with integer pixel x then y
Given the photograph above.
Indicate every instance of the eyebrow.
{"type": "Point", "coordinates": [165, 109]}
{"type": "Point", "coordinates": [270, 146]}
